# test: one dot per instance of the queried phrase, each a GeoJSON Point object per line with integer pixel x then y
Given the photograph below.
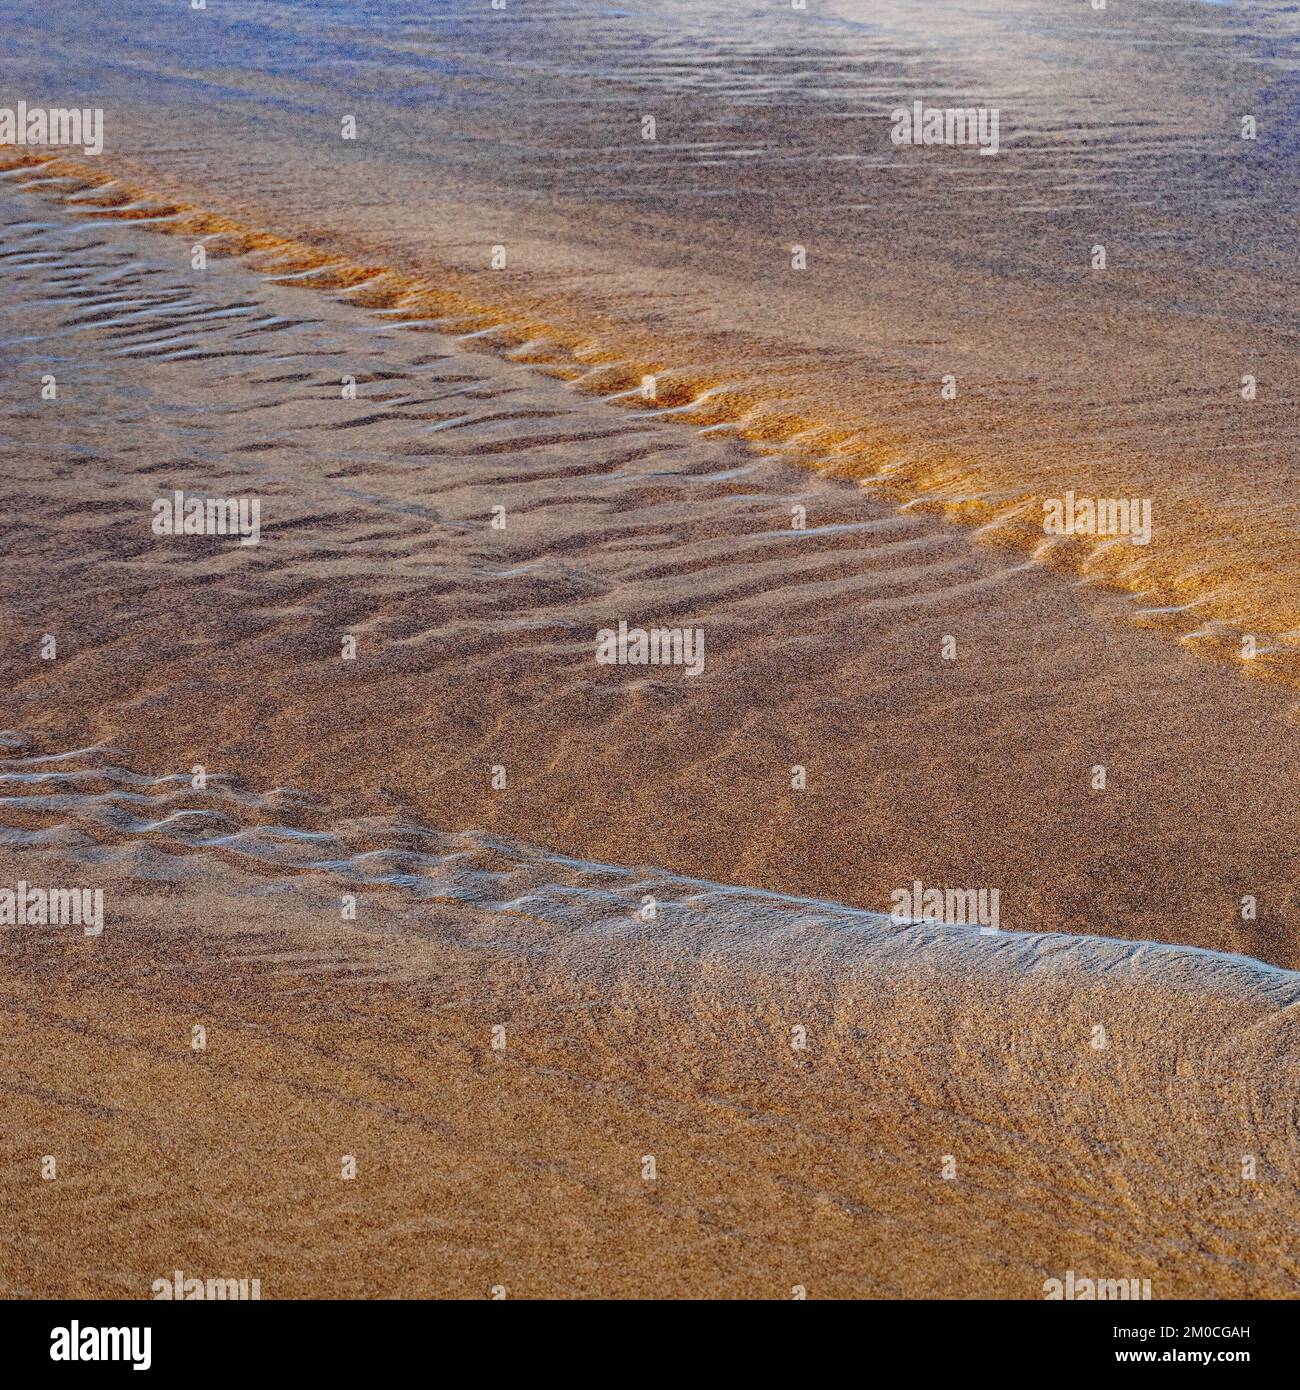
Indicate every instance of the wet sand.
{"type": "Point", "coordinates": [776, 1168]}
{"type": "Point", "coordinates": [475, 647]}
{"type": "Point", "coordinates": [522, 1167]}
{"type": "Point", "coordinates": [522, 130]}
{"type": "Point", "coordinates": [394, 701]}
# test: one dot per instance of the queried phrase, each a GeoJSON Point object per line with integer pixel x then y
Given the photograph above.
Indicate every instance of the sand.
{"type": "Point", "coordinates": [609, 914]}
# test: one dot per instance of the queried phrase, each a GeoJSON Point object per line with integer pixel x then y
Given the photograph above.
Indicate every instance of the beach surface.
{"type": "Point", "coordinates": [517, 971]}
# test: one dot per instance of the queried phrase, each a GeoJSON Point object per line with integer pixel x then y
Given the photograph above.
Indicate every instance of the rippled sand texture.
{"type": "Point", "coordinates": [522, 128]}
{"type": "Point", "coordinates": [522, 1168]}
{"type": "Point", "coordinates": [522, 906]}
{"type": "Point", "coordinates": [475, 646]}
